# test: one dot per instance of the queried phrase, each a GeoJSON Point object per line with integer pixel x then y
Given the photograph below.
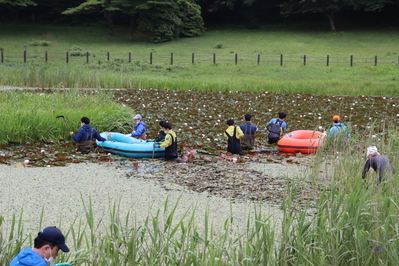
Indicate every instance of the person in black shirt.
{"type": "Point", "coordinates": [379, 163]}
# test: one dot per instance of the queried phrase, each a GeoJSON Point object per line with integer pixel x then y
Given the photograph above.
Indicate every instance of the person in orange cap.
{"type": "Point", "coordinates": [339, 131]}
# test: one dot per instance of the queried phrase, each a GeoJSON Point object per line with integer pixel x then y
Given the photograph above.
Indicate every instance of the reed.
{"type": "Point", "coordinates": [31, 115]}
{"type": "Point", "coordinates": [337, 80]}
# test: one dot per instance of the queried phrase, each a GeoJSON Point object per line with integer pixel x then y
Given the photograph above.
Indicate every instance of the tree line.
{"type": "Point", "coordinates": [166, 20]}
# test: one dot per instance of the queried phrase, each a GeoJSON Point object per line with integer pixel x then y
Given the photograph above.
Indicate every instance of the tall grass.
{"type": "Point", "coordinates": [357, 80]}
{"type": "Point", "coordinates": [31, 116]}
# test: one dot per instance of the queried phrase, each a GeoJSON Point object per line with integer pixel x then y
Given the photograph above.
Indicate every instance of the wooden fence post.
{"type": "Point", "coordinates": [192, 58]}
{"type": "Point", "coordinates": [25, 53]}
{"type": "Point", "coordinates": [108, 56]}
{"type": "Point", "coordinates": [67, 57]}
{"type": "Point", "coordinates": [328, 60]}
{"type": "Point", "coordinates": [171, 58]}
{"type": "Point", "coordinates": [258, 59]}
{"type": "Point", "coordinates": [375, 61]}
{"type": "Point", "coordinates": [214, 58]}
{"type": "Point", "coordinates": [2, 55]}
{"type": "Point", "coordinates": [281, 60]}
{"type": "Point", "coordinates": [351, 60]}
{"type": "Point", "coordinates": [151, 58]}
{"type": "Point", "coordinates": [45, 56]}
{"type": "Point", "coordinates": [236, 59]}
{"type": "Point", "coordinates": [130, 57]}
{"type": "Point", "coordinates": [87, 57]}
{"type": "Point", "coordinates": [304, 60]}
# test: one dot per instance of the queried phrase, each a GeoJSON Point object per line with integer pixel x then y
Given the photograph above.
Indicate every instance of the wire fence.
{"type": "Point", "coordinates": [185, 59]}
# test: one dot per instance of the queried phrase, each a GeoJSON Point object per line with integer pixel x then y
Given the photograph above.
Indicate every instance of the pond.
{"type": "Point", "coordinates": [199, 119]}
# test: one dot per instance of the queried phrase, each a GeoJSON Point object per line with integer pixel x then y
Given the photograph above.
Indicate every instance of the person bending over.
{"type": "Point", "coordinates": [379, 163]}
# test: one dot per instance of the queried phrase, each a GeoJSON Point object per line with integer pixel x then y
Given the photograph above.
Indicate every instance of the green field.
{"type": "Point", "coordinates": [363, 77]}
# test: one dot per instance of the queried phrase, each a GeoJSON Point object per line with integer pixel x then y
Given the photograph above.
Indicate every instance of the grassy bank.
{"type": "Point", "coordinates": [269, 42]}
{"type": "Point", "coordinates": [31, 116]}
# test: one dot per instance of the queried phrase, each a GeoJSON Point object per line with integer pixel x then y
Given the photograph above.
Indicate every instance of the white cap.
{"type": "Point", "coordinates": [137, 117]}
{"type": "Point", "coordinates": [372, 150]}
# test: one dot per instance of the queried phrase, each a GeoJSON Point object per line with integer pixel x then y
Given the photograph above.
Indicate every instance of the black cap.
{"type": "Point", "coordinates": [167, 125]}
{"type": "Point", "coordinates": [53, 234]}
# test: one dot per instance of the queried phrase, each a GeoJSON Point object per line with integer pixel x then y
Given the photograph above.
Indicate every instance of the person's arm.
{"type": "Point", "coordinates": [225, 135]}
{"type": "Point", "coordinates": [78, 136]}
{"type": "Point", "coordinates": [271, 122]}
{"type": "Point", "coordinates": [167, 142]}
{"type": "Point", "coordinates": [239, 133]}
{"type": "Point", "coordinates": [139, 130]}
{"type": "Point", "coordinates": [98, 136]}
{"type": "Point", "coordinates": [366, 169]}
{"type": "Point", "coordinates": [284, 126]}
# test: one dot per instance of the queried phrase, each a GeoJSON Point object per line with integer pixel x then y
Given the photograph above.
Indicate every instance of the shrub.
{"type": "Point", "coordinates": [36, 42]}
{"type": "Point", "coordinates": [76, 51]}
{"type": "Point", "coordinates": [219, 45]}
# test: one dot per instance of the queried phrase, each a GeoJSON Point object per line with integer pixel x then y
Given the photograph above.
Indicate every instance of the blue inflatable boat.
{"type": "Point", "coordinates": [118, 143]}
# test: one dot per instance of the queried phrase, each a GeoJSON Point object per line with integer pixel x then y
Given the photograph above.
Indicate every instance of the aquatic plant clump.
{"type": "Point", "coordinates": [31, 115]}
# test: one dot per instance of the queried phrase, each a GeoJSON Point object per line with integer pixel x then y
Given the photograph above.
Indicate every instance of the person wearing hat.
{"type": "Point", "coordinates": [46, 246]}
{"type": "Point", "coordinates": [170, 143]}
{"type": "Point", "coordinates": [249, 129]}
{"type": "Point", "coordinates": [85, 136]}
{"type": "Point", "coordinates": [139, 128]}
{"type": "Point", "coordinates": [338, 133]}
{"type": "Point", "coordinates": [233, 135]}
{"type": "Point", "coordinates": [337, 127]}
{"type": "Point", "coordinates": [379, 163]}
{"type": "Point", "coordinates": [161, 133]}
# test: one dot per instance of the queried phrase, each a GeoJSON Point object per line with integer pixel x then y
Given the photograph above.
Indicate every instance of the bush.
{"type": "Point", "coordinates": [76, 51]}
{"type": "Point", "coordinates": [219, 45]}
{"type": "Point", "coordinates": [35, 42]}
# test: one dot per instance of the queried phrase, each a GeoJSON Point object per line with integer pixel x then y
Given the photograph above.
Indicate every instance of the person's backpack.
{"type": "Point", "coordinates": [275, 130]}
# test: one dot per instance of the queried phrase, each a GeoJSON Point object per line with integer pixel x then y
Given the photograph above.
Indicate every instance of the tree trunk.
{"type": "Point", "coordinates": [108, 17]}
{"type": "Point", "coordinates": [330, 17]}
{"type": "Point", "coordinates": [131, 26]}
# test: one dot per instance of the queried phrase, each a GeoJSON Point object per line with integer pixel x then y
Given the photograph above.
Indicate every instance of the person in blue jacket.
{"type": "Point", "coordinates": [249, 129]}
{"type": "Point", "coordinates": [276, 127]}
{"type": "Point", "coordinates": [45, 250]}
{"type": "Point", "coordinates": [338, 133]}
{"type": "Point", "coordinates": [85, 136]}
{"type": "Point", "coordinates": [140, 128]}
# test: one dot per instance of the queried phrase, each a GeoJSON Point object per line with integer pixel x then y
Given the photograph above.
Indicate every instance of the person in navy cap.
{"type": "Point", "coordinates": [46, 246]}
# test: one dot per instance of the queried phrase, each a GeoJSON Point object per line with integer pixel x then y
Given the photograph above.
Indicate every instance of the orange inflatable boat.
{"type": "Point", "coordinates": [301, 141]}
